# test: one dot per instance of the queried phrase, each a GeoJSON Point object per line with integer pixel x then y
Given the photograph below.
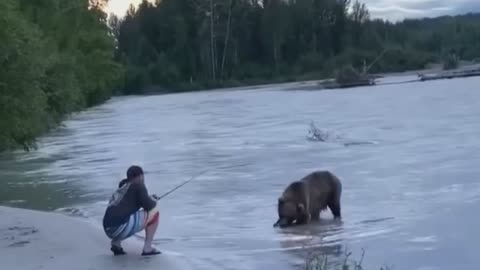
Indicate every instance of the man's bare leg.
{"type": "Point", "coordinates": [150, 231]}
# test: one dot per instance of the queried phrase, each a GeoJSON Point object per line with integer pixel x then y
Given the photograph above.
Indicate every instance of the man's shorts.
{"type": "Point", "coordinates": [136, 223]}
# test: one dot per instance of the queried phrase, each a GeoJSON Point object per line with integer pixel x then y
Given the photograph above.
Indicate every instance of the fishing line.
{"type": "Point", "coordinates": [193, 178]}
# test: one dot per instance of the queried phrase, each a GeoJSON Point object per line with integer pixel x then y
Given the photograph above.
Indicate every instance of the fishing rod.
{"type": "Point", "coordinates": [191, 179]}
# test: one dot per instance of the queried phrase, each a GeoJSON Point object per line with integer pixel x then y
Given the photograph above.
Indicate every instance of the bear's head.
{"type": "Point", "coordinates": [290, 212]}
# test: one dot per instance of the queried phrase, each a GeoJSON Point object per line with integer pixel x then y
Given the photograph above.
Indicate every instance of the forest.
{"type": "Point", "coordinates": [56, 57]}
{"type": "Point", "coordinates": [198, 44]}
{"type": "Point", "coordinates": [61, 56]}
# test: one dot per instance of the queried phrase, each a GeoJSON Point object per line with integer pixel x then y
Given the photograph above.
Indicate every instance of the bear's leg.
{"type": "Point", "coordinates": [303, 216]}
{"type": "Point", "coordinates": [303, 219]}
{"type": "Point", "coordinates": [317, 207]}
{"type": "Point", "coordinates": [334, 205]}
{"type": "Point", "coordinates": [315, 213]}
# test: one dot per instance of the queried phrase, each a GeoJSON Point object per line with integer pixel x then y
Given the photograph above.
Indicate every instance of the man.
{"type": "Point", "coordinates": [131, 210]}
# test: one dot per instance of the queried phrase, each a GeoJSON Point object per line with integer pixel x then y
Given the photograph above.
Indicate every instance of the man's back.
{"type": "Point", "coordinates": [125, 201]}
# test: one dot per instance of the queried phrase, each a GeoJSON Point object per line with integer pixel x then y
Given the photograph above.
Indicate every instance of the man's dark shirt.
{"type": "Point", "coordinates": [126, 200]}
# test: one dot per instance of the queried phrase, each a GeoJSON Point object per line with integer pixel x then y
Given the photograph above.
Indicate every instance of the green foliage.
{"type": "Point", "coordinates": [57, 56]}
{"type": "Point", "coordinates": [177, 44]}
{"type": "Point", "coordinates": [23, 104]}
{"type": "Point", "coordinates": [450, 62]}
{"type": "Point", "coordinates": [319, 261]}
{"type": "Point", "coordinates": [348, 74]}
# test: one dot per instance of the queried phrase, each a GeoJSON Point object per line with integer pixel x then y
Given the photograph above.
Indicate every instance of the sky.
{"type": "Point", "coordinates": [395, 10]}
{"type": "Point", "coordinates": [392, 10]}
{"type": "Point", "coordinates": [119, 7]}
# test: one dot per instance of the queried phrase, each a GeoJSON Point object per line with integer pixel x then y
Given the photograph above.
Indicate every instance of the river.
{"type": "Point", "coordinates": [408, 156]}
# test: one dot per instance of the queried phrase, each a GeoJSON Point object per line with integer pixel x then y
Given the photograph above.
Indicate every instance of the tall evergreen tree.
{"type": "Point", "coordinates": [189, 44]}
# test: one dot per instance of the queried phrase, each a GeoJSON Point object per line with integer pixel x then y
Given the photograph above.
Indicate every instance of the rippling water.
{"type": "Point", "coordinates": [411, 193]}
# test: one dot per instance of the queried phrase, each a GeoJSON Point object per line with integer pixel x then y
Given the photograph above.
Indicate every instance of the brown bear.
{"type": "Point", "coordinates": [303, 200]}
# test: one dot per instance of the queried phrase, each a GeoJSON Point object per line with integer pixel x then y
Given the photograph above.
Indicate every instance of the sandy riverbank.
{"type": "Point", "coordinates": [43, 240]}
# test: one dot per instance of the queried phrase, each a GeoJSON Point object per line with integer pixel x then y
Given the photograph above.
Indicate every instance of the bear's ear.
{"type": "Point", "coordinates": [301, 208]}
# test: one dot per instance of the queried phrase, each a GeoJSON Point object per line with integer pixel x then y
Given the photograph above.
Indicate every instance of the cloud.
{"type": "Point", "coordinates": [119, 7]}
{"type": "Point", "coordinates": [392, 10]}
{"type": "Point", "coordinates": [395, 10]}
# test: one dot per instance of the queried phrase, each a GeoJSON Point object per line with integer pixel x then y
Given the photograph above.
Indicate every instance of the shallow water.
{"type": "Point", "coordinates": [407, 154]}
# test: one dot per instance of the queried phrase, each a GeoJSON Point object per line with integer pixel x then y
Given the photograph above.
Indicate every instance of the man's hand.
{"type": "Point", "coordinates": [155, 197]}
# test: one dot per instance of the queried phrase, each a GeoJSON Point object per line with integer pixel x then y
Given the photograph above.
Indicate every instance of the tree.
{"type": "Point", "coordinates": [47, 72]}
{"type": "Point", "coordinates": [196, 44]}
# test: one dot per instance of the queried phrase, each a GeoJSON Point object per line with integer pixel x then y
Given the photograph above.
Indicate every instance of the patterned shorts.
{"type": "Point", "coordinates": [136, 223]}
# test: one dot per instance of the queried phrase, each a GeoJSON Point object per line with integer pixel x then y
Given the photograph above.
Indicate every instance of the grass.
{"type": "Point", "coordinates": [315, 259]}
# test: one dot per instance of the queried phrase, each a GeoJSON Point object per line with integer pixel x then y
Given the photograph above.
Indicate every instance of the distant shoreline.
{"type": "Point", "coordinates": [293, 85]}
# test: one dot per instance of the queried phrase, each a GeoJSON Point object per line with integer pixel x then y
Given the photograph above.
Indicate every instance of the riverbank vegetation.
{"type": "Point", "coordinates": [192, 44]}
{"type": "Point", "coordinates": [60, 56]}
{"type": "Point", "coordinates": [56, 57]}
{"type": "Point", "coordinates": [318, 260]}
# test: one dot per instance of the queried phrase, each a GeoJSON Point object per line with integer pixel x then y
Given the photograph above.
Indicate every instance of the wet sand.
{"type": "Point", "coordinates": [41, 240]}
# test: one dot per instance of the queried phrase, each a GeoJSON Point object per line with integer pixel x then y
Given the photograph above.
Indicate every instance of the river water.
{"type": "Point", "coordinates": [408, 156]}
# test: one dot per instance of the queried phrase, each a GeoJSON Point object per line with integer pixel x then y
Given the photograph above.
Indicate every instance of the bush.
{"type": "Point", "coordinates": [23, 104]}
{"type": "Point", "coordinates": [47, 72]}
{"type": "Point", "coordinates": [319, 261]}
{"type": "Point", "coordinates": [450, 62]}
{"type": "Point", "coordinates": [348, 74]}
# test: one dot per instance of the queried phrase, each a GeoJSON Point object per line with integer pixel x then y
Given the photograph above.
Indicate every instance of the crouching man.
{"type": "Point", "coordinates": [131, 210]}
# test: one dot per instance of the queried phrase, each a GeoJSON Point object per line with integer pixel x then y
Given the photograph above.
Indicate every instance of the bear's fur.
{"type": "Point", "coordinates": [303, 200]}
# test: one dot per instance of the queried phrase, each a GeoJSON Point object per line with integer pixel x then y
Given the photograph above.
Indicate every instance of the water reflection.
{"type": "Point", "coordinates": [318, 239]}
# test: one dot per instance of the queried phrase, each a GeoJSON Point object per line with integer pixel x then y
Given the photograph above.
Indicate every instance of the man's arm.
{"type": "Point", "coordinates": [146, 202]}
